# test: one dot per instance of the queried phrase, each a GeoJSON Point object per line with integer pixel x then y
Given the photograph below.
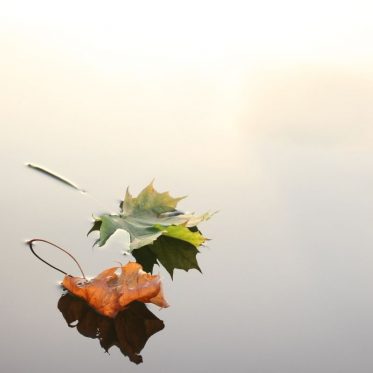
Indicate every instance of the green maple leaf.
{"type": "Point", "coordinates": [149, 216]}
{"type": "Point", "coordinates": [170, 252]}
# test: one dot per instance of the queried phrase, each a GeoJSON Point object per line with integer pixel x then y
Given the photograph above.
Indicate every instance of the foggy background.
{"type": "Point", "coordinates": [262, 110]}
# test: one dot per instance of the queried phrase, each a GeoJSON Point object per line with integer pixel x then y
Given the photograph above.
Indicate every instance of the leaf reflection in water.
{"type": "Point", "coordinates": [129, 330]}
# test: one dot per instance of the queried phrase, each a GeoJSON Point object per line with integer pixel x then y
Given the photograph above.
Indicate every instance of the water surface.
{"type": "Point", "coordinates": [283, 151]}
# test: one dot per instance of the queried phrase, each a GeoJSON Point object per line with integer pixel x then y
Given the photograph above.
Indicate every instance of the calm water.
{"type": "Point", "coordinates": [287, 278]}
{"type": "Point", "coordinates": [282, 148]}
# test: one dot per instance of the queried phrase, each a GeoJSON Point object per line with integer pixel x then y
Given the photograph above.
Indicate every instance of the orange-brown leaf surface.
{"type": "Point", "coordinates": [113, 289]}
{"type": "Point", "coordinates": [129, 330]}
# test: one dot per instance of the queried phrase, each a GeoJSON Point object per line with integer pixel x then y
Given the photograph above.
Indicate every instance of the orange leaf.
{"type": "Point", "coordinates": [129, 330]}
{"type": "Point", "coordinates": [110, 292]}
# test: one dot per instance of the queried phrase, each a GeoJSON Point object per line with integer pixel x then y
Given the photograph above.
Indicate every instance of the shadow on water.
{"type": "Point", "coordinates": [129, 330]}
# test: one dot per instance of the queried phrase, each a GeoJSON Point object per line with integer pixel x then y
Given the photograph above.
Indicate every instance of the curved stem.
{"type": "Point", "coordinates": [58, 247]}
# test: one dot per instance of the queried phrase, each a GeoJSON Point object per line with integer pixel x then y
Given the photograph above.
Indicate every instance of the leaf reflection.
{"type": "Point", "coordinates": [129, 330]}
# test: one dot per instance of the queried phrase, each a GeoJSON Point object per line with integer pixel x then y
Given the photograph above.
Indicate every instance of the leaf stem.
{"type": "Point", "coordinates": [30, 243]}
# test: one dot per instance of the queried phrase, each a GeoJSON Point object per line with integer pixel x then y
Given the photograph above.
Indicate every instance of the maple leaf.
{"type": "Point", "coordinates": [109, 292]}
{"type": "Point", "coordinates": [149, 216]}
{"type": "Point", "coordinates": [129, 330]}
{"type": "Point", "coordinates": [170, 252]}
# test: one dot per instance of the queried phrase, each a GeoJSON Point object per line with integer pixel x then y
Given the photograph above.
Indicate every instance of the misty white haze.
{"type": "Point", "coordinates": [261, 110]}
